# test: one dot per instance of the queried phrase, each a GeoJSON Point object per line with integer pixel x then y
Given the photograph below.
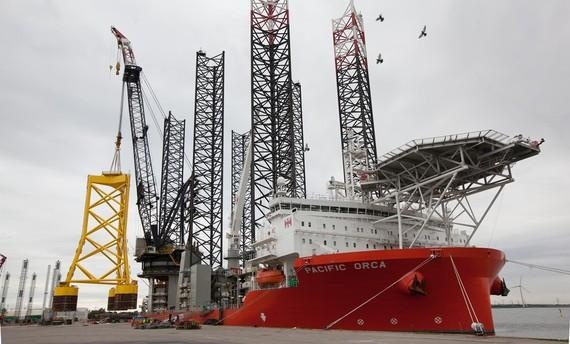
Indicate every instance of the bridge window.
{"type": "Point", "coordinates": [302, 223]}
{"type": "Point", "coordinates": [325, 243]}
{"type": "Point", "coordinates": [309, 224]}
{"type": "Point", "coordinates": [333, 226]}
{"type": "Point", "coordinates": [346, 244]}
{"type": "Point", "coordinates": [310, 241]}
{"type": "Point", "coordinates": [366, 245]}
{"type": "Point", "coordinates": [354, 244]}
{"type": "Point", "coordinates": [303, 240]}
{"type": "Point", "coordinates": [324, 225]}
{"type": "Point", "coordinates": [334, 243]}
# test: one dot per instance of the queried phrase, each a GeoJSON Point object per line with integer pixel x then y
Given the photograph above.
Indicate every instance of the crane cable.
{"type": "Point", "coordinates": [151, 111]}
{"type": "Point", "coordinates": [159, 106]}
{"type": "Point", "coordinates": [116, 163]}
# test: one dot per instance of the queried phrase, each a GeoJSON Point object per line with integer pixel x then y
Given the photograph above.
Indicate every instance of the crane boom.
{"type": "Point", "coordinates": [147, 198]}
{"type": "Point", "coordinates": [233, 235]}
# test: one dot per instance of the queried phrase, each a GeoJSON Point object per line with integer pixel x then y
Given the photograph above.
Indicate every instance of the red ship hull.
{"type": "Point", "coordinates": [370, 290]}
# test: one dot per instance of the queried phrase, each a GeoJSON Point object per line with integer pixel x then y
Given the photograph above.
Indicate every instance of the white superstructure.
{"type": "Point", "coordinates": [305, 227]}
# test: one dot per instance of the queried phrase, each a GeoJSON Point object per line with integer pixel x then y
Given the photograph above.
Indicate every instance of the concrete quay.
{"type": "Point", "coordinates": [122, 333]}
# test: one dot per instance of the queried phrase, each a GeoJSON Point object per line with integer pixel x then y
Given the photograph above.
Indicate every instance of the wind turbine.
{"type": "Point", "coordinates": [521, 287]}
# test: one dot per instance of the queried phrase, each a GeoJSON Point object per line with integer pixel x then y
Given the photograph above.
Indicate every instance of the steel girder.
{"type": "Point", "coordinates": [353, 90]}
{"type": "Point", "coordinates": [239, 150]}
{"type": "Point", "coordinates": [208, 158]}
{"type": "Point", "coordinates": [432, 181]}
{"type": "Point", "coordinates": [147, 198]}
{"type": "Point", "coordinates": [170, 221]}
{"type": "Point", "coordinates": [272, 119]}
{"type": "Point", "coordinates": [300, 189]}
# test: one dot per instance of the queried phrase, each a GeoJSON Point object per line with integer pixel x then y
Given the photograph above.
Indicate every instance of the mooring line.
{"type": "Point", "coordinates": [430, 258]}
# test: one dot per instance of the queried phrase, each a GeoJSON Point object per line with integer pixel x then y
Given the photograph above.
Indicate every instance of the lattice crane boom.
{"type": "Point", "coordinates": [358, 139]}
{"type": "Point", "coordinates": [147, 198]}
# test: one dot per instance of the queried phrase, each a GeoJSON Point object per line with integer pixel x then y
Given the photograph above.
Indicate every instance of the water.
{"type": "Point", "coordinates": [547, 322]}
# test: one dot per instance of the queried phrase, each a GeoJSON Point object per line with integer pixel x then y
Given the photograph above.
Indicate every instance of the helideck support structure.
{"type": "Point", "coordinates": [354, 100]}
{"type": "Point", "coordinates": [432, 182]}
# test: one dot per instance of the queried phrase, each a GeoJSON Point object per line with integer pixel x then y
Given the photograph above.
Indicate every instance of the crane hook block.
{"type": "Point", "coordinates": [117, 68]}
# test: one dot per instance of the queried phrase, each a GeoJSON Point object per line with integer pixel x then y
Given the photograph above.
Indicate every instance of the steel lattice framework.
{"type": "Point", "coordinates": [147, 198]}
{"type": "Point", "coordinates": [104, 232]}
{"type": "Point", "coordinates": [272, 104]}
{"type": "Point", "coordinates": [31, 296]}
{"type": "Point", "coordinates": [299, 143]}
{"type": "Point", "coordinates": [239, 149]}
{"type": "Point", "coordinates": [21, 287]}
{"type": "Point", "coordinates": [208, 157]}
{"type": "Point", "coordinates": [433, 181]}
{"type": "Point", "coordinates": [354, 101]}
{"type": "Point", "coordinates": [5, 290]}
{"type": "Point", "coordinates": [172, 180]}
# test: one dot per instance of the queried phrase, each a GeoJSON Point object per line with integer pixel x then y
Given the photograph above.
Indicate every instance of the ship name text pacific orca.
{"type": "Point", "coordinates": [343, 267]}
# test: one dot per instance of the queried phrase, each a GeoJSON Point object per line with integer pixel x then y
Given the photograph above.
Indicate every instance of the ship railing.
{"type": "Point", "coordinates": [321, 197]}
{"type": "Point", "coordinates": [489, 133]}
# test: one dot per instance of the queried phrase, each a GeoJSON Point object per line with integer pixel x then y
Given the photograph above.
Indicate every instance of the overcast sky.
{"type": "Point", "coordinates": [483, 65]}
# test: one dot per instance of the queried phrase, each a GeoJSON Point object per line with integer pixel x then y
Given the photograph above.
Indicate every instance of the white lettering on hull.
{"type": "Point", "coordinates": [342, 267]}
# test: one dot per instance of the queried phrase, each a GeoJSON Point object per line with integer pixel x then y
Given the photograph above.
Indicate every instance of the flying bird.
{"type": "Point", "coordinates": [380, 18]}
{"type": "Point", "coordinates": [379, 59]}
{"type": "Point", "coordinates": [423, 33]}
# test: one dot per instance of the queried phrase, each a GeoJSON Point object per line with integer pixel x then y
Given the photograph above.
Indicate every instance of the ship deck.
{"type": "Point", "coordinates": [124, 334]}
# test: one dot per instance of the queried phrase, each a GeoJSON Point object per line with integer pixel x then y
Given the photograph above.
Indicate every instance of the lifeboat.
{"type": "Point", "coordinates": [499, 287]}
{"type": "Point", "coordinates": [269, 277]}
